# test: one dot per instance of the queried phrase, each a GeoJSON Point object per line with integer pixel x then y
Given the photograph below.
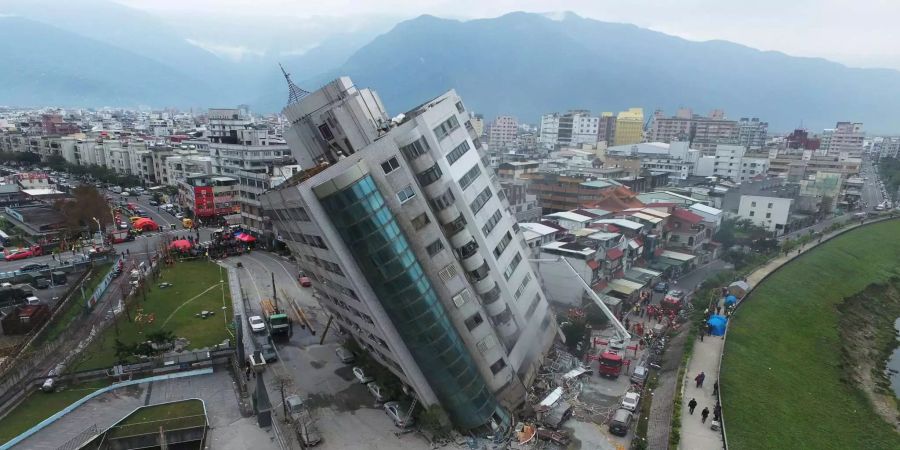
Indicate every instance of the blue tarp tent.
{"type": "Point", "coordinates": [730, 300]}
{"type": "Point", "coordinates": [718, 324]}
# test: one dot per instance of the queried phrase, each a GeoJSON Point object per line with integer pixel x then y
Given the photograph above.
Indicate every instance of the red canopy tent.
{"type": "Point", "coordinates": [181, 245]}
{"type": "Point", "coordinates": [244, 237]}
{"type": "Point", "coordinates": [145, 224]}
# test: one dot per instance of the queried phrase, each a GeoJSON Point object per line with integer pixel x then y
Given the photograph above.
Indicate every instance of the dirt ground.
{"type": "Point", "coordinates": [867, 329]}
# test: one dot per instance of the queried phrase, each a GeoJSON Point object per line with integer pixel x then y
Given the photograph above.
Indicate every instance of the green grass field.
{"type": "Point", "coordinates": [171, 416]}
{"type": "Point", "coordinates": [195, 288]}
{"type": "Point", "coordinates": [75, 308]}
{"type": "Point", "coordinates": [782, 377]}
{"type": "Point", "coordinates": [39, 406]}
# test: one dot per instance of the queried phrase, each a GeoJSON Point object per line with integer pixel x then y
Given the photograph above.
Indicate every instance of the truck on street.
{"type": "Point", "coordinates": [278, 323]}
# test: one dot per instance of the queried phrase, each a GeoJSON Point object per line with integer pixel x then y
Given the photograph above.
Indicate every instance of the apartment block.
{"type": "Point", "coordinates": [629, 127]}
{"type": "Point", "coordinates": [572, 128]}
{"type": "Point", "coordinates": [412, 248]}
{"type": "Point", "coordinates": [244, 150]}
{"type": "Point", "coordinates": [847, 139]}
{"type": "Point", "coordinates": [503, 132]}
{"type": "Point", "coordinates": [735, 163]}
{"type": "Point", "coordinates": [752, 133]}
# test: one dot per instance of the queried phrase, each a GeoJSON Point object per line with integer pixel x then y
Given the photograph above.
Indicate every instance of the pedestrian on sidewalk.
{"type": "Point", "coordinates": [699, 379]}
{"type": "Point", "coordinates": [692, 404]}
{"type": "Point", "coordinates": [704, 414]}
{"type": "Point", "coordinates": [716, 388]}
{"type": "Point", "coordinates": [717, 412]}
{"type": "Point", "coordinates": [702, 333]}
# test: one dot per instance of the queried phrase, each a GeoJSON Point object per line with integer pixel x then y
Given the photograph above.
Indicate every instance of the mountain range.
{"type": "Point", "coordinates": [520, 64]}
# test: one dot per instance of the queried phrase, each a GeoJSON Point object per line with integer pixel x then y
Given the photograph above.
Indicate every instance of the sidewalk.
{"type": "Point", "coordinates": [696, 435]}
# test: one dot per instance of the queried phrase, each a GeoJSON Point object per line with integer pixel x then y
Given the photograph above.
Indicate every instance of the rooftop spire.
{"type": "Point", "coordinates": [295, 93]}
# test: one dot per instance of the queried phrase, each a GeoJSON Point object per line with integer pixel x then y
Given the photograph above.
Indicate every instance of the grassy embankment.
{"type": "Point", "coordinates": [787, 375]}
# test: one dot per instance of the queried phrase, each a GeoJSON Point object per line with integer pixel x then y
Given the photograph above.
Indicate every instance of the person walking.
{"type": "Point", "coordinates": [704, 414]}
{"type": "Point", "coordinates": [692, 404]}
{"type": "Point", "coordinates": [699, 379]}
{"type": "Point", "coordinates": [716, 388]}
{"type": "Point", "coordinates": [717, 412]}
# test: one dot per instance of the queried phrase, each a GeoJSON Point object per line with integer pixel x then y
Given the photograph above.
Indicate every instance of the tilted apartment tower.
{"type": "Point", "coordinates": [411, 247]}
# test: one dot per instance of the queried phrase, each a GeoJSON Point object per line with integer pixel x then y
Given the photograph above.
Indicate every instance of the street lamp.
{"type": "Point", "coordinates": [99, 231]}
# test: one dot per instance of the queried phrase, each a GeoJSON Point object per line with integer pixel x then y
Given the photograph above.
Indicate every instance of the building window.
{"type": "Point", "coordinates": [753, 204]}
{"type": "Point", "coordinates": [487, 343]}
{"type": "Point", "coordinates": [752, 213]}
{"type": "Point", "coordinates": [533, 306]}
{"type": "Point", "coordinates": [511, 268]}
{"type": "Point", "coordinates": [481, 199]}
{"type": "Point", "coordinates": [470, 176]}
{"type": "Point", "coordinates": [491, 223]}
{"type": "Point", "coordinates": [390, 165]}
{"type": "Point", "coordinates": [447, 273]}
{"type": "Point", "coordinates": [434, 248]}
{"type": "Point", "coordinates": [457, 152]}
{"type": "Point", "coordinates": [420, 221]}
{"type": "Point", "coordinates": [429, 175]}
{"type": "Point", "coordinates": [443, 201]}
{"type": "Point", "coordinates": [770, 205]}
{"type": "Point", "coordinates": [444, 129]}
{"type": "Point", "coordinates": [498, 366]}
{"type": "Point", "coordinates": [474, 321]}
{"type": "Point", "coordinates": [405, 194]}
{"type": "Point", "coordinates": [459, 107]}
{"type": "Point", "coordinates": [498, 250]}
{"type": "Point", "coordinates": [326, 132]}
{"type": "Point", "coordinates": [461, 298]}
{"type": "Point", "coordinates": [768, 215]}
{"type": "Point", "coordinates": [522, 286]}
{"type": "Point", "coordinates": [415, 149]}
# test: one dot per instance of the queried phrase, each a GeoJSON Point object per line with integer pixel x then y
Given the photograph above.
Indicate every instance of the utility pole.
{"type": "Point", "coordinates": [274, 293]}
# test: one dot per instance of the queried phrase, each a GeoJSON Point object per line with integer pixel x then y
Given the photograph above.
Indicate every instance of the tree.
{"type": "Point", "coordinates": [87, 203]}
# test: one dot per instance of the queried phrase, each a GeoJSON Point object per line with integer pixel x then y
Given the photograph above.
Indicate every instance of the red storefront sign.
{"type": "Point", "coordinates": [204, 201]}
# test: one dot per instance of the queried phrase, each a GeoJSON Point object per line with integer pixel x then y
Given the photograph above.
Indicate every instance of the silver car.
{"type": "Point", "coordinates": [398, 414]}
{"type": "Point", "coordinates": [378, 392]}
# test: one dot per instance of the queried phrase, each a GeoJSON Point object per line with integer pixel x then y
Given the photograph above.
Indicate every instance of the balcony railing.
{"type": "Point", "coordinates": [468, 249]}
{"type": "Point", "coordinates": [456, 226]}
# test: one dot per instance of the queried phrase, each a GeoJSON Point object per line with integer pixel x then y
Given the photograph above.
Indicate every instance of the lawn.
{"type": "Point", "coordinates": [195, 288]}
{"type": "Point", "coordinates": [40, 405]}
{"type": "Point", "coordinates": [75, 307]}
{"type": "Point", "coordinates": [171, 416]}
{"type": "Point", "coordinates": [782, 380]}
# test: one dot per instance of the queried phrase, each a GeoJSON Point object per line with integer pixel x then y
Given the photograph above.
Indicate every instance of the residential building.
{"type": "Point", "coordinates": [734, 163]}
{"type": "Point", "coordinates": [571, 129]}
{"type": "Point", "coordinates": [409, 241]}
{"type": "Point", "coordinates": [606, 128]}
{"type": "Point", "coordinates": [556, 193]}
{"type": "Point", "coordinates": [242, 149]}
{"type": "Point", "coordinates": [709, 133]}
{"type": "Point", "coordinates": [629, 127]}
{"type": "Point", "coordinates": [208, 196]}
{"type": "Point", "coordinates": [771, 213]}
{"type": "Point", "coordinates": [846, 139]}
{"type": "Point", "coordinates": [703, 133]}
{"type": "Point", "coordinates": [503, 132]}
{"type": "Point", "coordinates": [752, 133]}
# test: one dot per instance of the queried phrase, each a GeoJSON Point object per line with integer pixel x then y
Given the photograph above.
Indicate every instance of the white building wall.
{"type": "Point", "coordinates": [767, 212]}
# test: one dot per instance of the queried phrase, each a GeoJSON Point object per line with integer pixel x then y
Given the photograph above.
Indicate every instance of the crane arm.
{"type": "Point", "coordinates": [620, 329]}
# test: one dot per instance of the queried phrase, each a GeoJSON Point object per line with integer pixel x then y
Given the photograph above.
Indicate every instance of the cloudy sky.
{"type": "Point", "coordinates": [862, 33]}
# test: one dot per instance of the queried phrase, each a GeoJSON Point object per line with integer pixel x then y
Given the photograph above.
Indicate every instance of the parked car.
{"type": "Point", "coordinates": [33, 267]}
{"type": "Point", "coordinates": [398, 414]}
{"type": "Point", "coordinates": [621, 422]}
{"type": "Point", "coordinates": [630, 401]}
{"type": "Point", "coordinates": [257, 324]}
{"type": "Point", "coordinates": [24, 253]}
{"type": "Point", "coordinates": [179, 216]}
{"type": "Point", "coordinates": [639, 376]}
{"type": "Point", "coordinates": [268, 352]}
{"type": "Point", "coordinates": [305, 282]}
{"type": "Point", "coordinates": [662, 286]}
{"type": "Point", "coordinates": [346, 356]}
{"type": "Point", "coordinates": [360, 375]}
{"type": "Point", "coordinates": [378, 392]}
{"type": "Point", "coordinates": [41, 283]}
{"type": "Point", "coordinates": [153, 203]}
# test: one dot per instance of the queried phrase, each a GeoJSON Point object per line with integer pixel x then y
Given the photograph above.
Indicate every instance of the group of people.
{"type": "Point", "coordinates": [704, 414]}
